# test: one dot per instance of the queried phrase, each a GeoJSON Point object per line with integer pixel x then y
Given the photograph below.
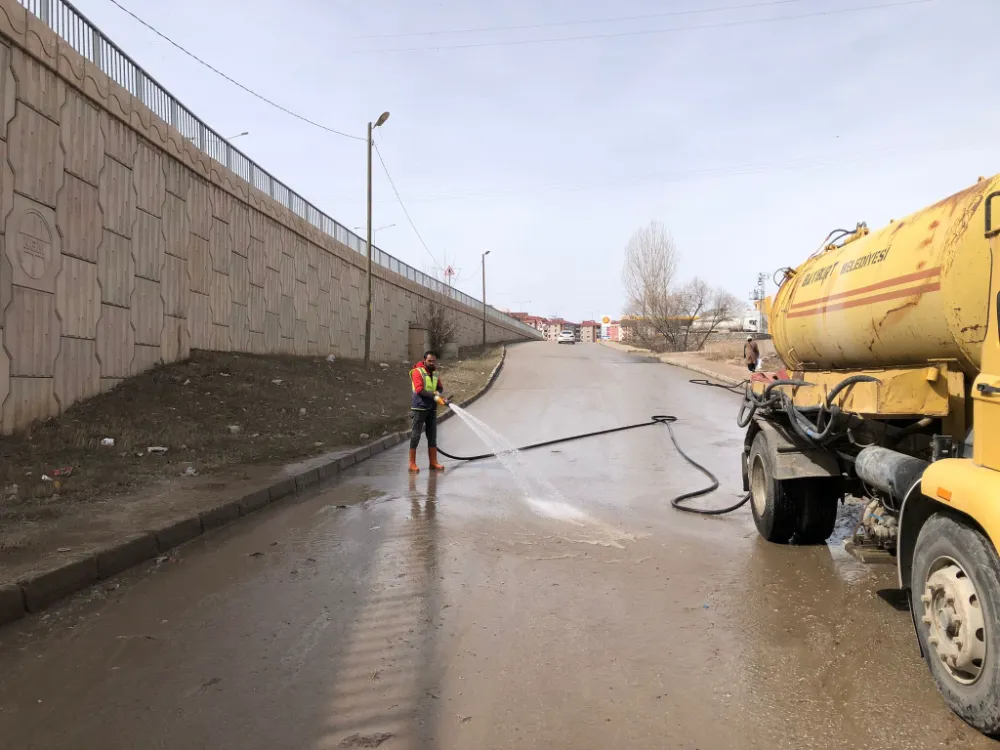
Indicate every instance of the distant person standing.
{"type": "Point", "coordinates": [751, 354]}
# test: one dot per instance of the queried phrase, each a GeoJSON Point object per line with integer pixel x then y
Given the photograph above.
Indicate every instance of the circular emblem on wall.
{"type": "Point", "coordinates": [34, 243]}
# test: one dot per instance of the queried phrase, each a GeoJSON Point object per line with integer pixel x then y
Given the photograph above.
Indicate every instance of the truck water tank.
{"type": "Point", "coordinates": [915, 290]}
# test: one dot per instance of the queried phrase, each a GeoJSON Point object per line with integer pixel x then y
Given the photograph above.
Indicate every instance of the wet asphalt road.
{"type": "Point", "coordinates": [573, 609]}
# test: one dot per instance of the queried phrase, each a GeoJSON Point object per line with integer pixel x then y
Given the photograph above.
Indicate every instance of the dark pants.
{"type": "Point", "coordinates": [751, 367]}
{"type": "Point", "coordinates": [422, 419]}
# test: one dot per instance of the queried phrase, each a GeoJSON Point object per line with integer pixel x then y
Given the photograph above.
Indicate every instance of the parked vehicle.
{"type": "Point", "coordinates": [566, 337]}
{"type": "Point", "coordinates": [892, 394]}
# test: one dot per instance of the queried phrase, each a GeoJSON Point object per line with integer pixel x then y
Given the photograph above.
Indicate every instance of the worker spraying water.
{"type": "Point", "coordinates": [428, 394]}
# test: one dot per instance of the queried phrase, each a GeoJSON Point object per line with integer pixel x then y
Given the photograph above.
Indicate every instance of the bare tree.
{"type": "Point", "coordinates": [442, 326]}
{"type": "Point", "coordinates": [660, 314]}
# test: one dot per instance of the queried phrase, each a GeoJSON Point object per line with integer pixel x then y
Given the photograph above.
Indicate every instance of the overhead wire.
{"type": "Point", "coordinates": [646, 32]}
{"type": "Point", "coordinates": [582, 22]}
{"type": "Point", "coordinates": [232, 80]}
{"type": "Point", "coordinates": [402, 205]}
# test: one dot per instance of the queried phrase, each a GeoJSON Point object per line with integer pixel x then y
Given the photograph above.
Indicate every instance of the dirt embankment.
{"type": "Point", "coordinates": [188, 425]}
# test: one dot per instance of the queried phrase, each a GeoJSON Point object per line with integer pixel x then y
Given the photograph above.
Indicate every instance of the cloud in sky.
{"type": "Point", "coordinates": [748, 138]}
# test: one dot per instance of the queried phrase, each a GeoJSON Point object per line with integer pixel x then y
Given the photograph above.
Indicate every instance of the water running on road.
{"type": "Point", "coordinates": [538, 494]}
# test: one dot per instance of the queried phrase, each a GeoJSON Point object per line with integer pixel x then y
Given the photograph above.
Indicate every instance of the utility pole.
{"type": "Point", "coordinates": [484, 298]}
{"type": "Point", "coordinates": [368, 241]}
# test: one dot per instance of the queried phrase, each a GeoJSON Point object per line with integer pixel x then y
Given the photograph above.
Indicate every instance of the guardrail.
{"type": "Point", "coordinates": [75, 29]}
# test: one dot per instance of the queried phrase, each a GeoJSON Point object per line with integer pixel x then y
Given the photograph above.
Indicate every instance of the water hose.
{"type": "Point", "coordinates": [664, 419]}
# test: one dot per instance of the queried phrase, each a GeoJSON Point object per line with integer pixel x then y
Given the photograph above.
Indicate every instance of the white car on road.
{"type": "Point", "coordinates": [566, 337]}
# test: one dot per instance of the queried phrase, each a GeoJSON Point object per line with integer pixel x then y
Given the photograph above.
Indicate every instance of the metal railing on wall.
{"type": "Point", "coordinates": [83, 36]}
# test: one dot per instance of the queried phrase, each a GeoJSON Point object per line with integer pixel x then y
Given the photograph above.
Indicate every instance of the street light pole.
{"type": "Point", "coordinates": [484, 298]}
{"type": "Point", "coordinates": [368, 242]}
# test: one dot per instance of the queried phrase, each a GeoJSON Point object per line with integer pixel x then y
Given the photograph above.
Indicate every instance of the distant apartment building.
{"type": "Point", "coordinates": [556, 326]}
{"type": "Point", "coordinates": [590, 331]}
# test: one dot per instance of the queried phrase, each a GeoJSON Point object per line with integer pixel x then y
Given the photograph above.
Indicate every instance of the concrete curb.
{"type": "Point", "coordinates": [704, 371]}
{"type": "Point", "coordinates": [686, 365]}
{"type": "Point", "coordinates": [42, 588]}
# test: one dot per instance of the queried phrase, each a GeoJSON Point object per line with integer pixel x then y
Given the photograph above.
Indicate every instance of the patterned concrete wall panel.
{"type": "Point", "coordinates": [220, 338]}
{"type": "Point", "coordinates": [175, 226]}
{"type": "Point", "coordinates": [35, 156]}
{"type": "Point", "coordinates": [272, 245]}
{"type": "Point", "coordinates": [287, 315]}
{"type": "Point", "coordinates": [117, 197]}
{"type": "Point", "coordinates": [301, 255]}
{"type": "Point", "coordinates": [239, 328]}
{"type": "Point", "coordinates": [257, 310]}
{"type": "Point", "coordinates": [78, 298]}
{"type": "Point", "coordinates": [33, 246]}
{"type": "Point", "coordinates": [312, 286]}
{"type": "Point", "coordinates": [150, 180]}
{"type": "Point", "coordinates": [29, 400]}
{"type": "Point", "coordinates": [37, 86]}
{"type": "Point", "coordinates": [287, 346]}
{"type": "Point", "coordinates": [8, 89]}
{"type": "Point", "coordinates": [79, 219]}
{"type": "Point", "coordinates": [222, 203]}
{"type": "Point", "coordinates": [146, 358]}
{"type": "Point", "coordinates": [175, 287]}
{"type": "Point", "coordinates": [239, 279]}
{"type": "Point", "coordinates": [312, 323]}
{"type": "Point", "coordinates": [31, 334]}
{"type": "Point", "coordinates": [199, 264]}
{"type": "Point", "coordinates": [287, 276]}
{"type": "Point", "coordinates": [4, 374]}
{"type": "Point", "coordinates": [220, 246]}
{"type": "Point", "coordinates": [257, 345]}
{"type": "Point", "coordinates": [199, 208]}
{"type": "Point", "coordinates": [120, 141]}
{"type": "Point", "coordinates": [239, 228]}
{"type": "Point", "coordinates": [178, 177]}
{"type": "Point", "coordinates": [258, 225]}
{"type": "Point", "coordinates": [115, 342]}
{"type": "Point", "coordinates": [257, 263]}
{"type": "Point", "coordinates": [324, 275]}
{"type": "Point", "coordinates": [6, 284]}
{"type": "Point", "coordinates": [82, 138]}
{"type": "Point", "coordinates": [325, 342]}
{"type": "Point", "coordinates": [116, 270]}
{"type": "Point", "coordinates": [147, 312]}
{"type": "Point", "coordinates": [148, 246]}
{"type": "Point", "coordinates": [324, 310]}
{"type": "Point", "coordinates": [272, 291]}
{"type": "Point", "coordinates": [200, 321]}
{"type": "Point", "coordinates": [272, 332]}
{"type": "Point", "coordinates": [174, 343]}
{"type": "Point", "coordinates": [300, 297]}
{"type": "Point", "coordinates": [221, 298]}
{"type": "Point", "coordinates": [77, 371]}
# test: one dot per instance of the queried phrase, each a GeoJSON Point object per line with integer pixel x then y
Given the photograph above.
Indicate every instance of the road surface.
{"type": "Point", "coordinates": [569, 607]}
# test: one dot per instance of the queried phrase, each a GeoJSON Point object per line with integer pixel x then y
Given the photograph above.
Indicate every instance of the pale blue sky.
{"type": "Point", "coordinates": [748, 141]}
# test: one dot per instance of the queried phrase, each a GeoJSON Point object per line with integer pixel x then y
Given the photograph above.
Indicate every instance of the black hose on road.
{"type": "Point", "coordinates": [664, 419]}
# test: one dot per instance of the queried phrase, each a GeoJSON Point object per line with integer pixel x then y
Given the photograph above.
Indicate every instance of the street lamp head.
{"type": "Point", "coordinates": [486, 253]}
{"type": "Point", "coordinates": [381, 119]}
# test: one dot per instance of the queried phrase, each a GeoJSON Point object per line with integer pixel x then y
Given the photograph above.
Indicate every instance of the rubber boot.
{"type": "Point", "coordinates": [413, 461]}
{"type": "Point", "coordinates": [432, 454]}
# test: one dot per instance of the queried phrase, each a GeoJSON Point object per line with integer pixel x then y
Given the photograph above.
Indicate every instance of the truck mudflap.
{"type": "Point", "coordinates": [789, 457]}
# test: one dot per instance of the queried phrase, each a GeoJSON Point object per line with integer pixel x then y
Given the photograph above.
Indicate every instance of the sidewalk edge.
{"type": "Point", "coordinates": [44, 587]}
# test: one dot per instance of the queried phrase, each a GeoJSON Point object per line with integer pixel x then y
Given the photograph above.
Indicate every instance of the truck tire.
{"type": "Point", "coordinates": [774, 512]}
{"type": "Point", "coordinates": [955, 583]}
{"type": "Point", "coordinates": [817, 509]}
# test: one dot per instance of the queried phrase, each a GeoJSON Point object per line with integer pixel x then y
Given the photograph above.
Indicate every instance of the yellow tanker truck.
{"type": "Point", "coordinates": [891, 340]}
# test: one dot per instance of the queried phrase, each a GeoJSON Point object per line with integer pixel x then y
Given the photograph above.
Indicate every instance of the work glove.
{"type": "Point", "coordinates": [440, 400]}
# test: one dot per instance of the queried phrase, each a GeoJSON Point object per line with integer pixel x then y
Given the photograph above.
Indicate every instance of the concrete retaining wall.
{"type": "Point", "coordinates": [124, 246]}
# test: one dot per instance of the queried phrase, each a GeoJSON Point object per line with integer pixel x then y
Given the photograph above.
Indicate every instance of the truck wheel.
{"type": "Point", "coordinates": [774, 512]}
{"type": "Point", "coordinates": [817, 510]}
{"type": "Point", "coordinates": [956, 600]}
